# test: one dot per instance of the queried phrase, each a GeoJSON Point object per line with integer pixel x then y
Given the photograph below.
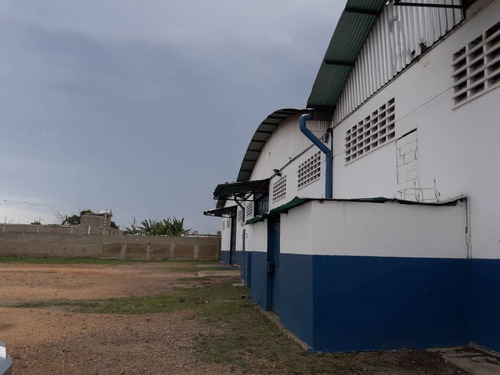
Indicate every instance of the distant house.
{"type": "Point", "coordinates": [370, 220]}
{"type": "Point", "coordinates": [99, 223]}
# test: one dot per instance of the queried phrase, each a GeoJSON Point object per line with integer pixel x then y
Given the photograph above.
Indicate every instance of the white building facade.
{"type": "Point", "coordinates": [400, 246]}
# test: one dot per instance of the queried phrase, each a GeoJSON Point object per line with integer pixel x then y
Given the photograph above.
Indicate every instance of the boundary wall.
{"type": "Point", "coordinates": [109, 247]}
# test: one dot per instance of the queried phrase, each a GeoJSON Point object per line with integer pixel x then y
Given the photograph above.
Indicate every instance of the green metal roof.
{"type": "Point", "coordinates": [221, 212]}
{"type": "Point", "coordinates": [296, 201]}
{"type": "Point", "coordinates": [230, 189]}
{"type": "Point", "coordinates": [259, 139]}
{"type": "Point", "coordinates": [349, 36]}
{"type": "Point", "coordinates": [283, 209]}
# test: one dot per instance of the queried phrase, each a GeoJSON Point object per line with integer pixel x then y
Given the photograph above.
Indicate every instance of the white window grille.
{"type": "Point", "coordinates": [228, 223]}
{"type": "Point", "coordinates": [240, 215]}
{"type": "Point", "coordinates": [373, 131]}
{"type": "Point", "coordinates": [249, 210]}
{"type": "Point", "coordinates": [223, 224]}
{"type": "Point", "coordinates": [279, 189]}
{"type": "Point", "coordinates": [309, 170]}
{"type": "Point", "coordinates": [476, 66]}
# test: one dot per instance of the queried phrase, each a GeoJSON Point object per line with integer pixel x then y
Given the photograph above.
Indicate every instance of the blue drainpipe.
{"type": "Point", "coordinates": [328, 153]}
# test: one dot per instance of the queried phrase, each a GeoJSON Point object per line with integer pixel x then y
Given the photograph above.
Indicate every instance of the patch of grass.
{"type": "Point", "coordinates": [194, 278]}
{"type": "Point", "coordinates": [29, 260]}
{"type": "Point", "coordinates": [206, 265]}
{"type": "Point", "coordinates": [132, 305]}
{"type": "Point", "coordinates": [193, 269]}
{"type": "Point", "coordinates": [179, 299]}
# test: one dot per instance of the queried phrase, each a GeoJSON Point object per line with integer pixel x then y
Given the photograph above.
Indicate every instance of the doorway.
{"type": "Point", "coordinates": [273, 263]}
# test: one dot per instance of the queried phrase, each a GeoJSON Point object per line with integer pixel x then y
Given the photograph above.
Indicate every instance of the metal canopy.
{"type": "Point", "coordinates": [221, 212]}
{"type": "Point", "coordinates": [230, 189]}
{"type": "Point", "coordinates": [349, 36]}
{"type": "Point", "coordinates": [259, 139]}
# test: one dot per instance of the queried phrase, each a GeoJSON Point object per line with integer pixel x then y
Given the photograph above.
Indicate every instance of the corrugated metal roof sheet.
{"type": "Point", "coordinates": [230, 189]}
{"type": "Point", "coordinates": [349, 36]}
{"type": "Point", "coordinates": [259, 139]}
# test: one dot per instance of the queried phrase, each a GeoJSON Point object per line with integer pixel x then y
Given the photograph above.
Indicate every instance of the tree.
{"type": "Point", "coordinates": [148, 227]}
{"type": "Point", "coordinates": [176, 227]}
{"type": "Point", "coordinates": [165, 227]}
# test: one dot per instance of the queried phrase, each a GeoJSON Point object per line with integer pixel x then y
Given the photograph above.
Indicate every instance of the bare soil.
{"type": "Point", "coordinates": [51, 341]}
{"type": "Point", "coordinates": [57, 341]}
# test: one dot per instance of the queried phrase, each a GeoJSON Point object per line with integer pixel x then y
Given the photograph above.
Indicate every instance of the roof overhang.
{"type": "Point", "coordinates": [259, 139]}
{"type": "Point", "coordinates": [221, 212]}
{"type": "Point", "coordinates": [241, 188]}
{"type": "Point", "coordinates": [296, 201]}
{"type": "Point", "coordinates": [348, 38]}
{"type": "Point", "coordinates": [351, 32]}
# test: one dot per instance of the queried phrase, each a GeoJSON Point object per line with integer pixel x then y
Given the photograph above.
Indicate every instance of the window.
{"type": "Point", "coordinates": [279, 189]}
{"type": "Point", "coordinates": [309, 170]}
{"type": "Point", "coordinates": [476, 66]}
{"type": "Point", "coordinates": [372, 132]}
{"type": "Point", "coordinates": [249, 210]}
{"type": "Point", "coordinates": [261, 204]}
{"type": "Point", "coordinates": [240, 215]}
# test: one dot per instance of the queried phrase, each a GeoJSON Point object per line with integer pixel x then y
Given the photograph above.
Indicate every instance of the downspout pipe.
{"type": "Point", "coordinates": [328, 153]}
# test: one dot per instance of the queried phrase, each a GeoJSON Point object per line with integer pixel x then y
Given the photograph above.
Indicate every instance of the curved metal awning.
{"type": "Point", "coordinates": [259, 139]}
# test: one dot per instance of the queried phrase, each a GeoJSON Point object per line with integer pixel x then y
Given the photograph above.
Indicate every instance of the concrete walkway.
{"type": "Point", "coordinates": [219, 273]}
{"type": "Point", "coordinates": [474, 360]}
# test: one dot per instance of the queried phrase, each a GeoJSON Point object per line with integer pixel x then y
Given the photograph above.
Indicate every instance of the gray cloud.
{"type": "Point", "coordinates": [144, 106]}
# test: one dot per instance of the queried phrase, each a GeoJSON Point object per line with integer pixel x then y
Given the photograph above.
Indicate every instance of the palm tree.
{"type": "Point", "coordinates": [176, 227]}
{"type": "Point", "coordinates": [148, 227]}
{"type": "Point", "coordinates": [165, 227]}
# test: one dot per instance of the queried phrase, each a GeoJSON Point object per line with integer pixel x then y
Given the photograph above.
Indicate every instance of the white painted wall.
{"type": "Point", "coordinates": [284, 144]}
{"type": "Point", "coordinates": [296, 232]}
{"type": "Point", "coordinates": [375, 229]}
{"type": "Point", "coordinates": [458, 148]}
{"type": "Point", "coordinates": [226, 235]}
{"type": "Point", "coordinates": [257, 237]}
{"type": "Point", "coordinates": [315, 189]}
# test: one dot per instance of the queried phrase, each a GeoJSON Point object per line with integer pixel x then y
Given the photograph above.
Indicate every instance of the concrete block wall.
{"type": "Point", "coordinates": [84, 228]}
{"type": "Point", "coordinates": [111, 247]}
{"type": "Point", "coordinates": [407, 158]}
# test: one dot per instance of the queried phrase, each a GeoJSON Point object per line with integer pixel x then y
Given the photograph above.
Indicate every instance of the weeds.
{"type": "Point", "coordinates": [197, 265]}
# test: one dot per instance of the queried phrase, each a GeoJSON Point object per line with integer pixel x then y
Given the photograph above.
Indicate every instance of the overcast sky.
{"type": "Point", "coordinates": [144, 106]}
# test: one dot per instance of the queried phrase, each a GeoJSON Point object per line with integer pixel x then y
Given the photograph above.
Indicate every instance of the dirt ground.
{"type": "Point", "coordinates": [54, 340]}
{"type": "Point", "coordinates": [51, 341]}
{"type": "Point", "coordinates": [28, 282]}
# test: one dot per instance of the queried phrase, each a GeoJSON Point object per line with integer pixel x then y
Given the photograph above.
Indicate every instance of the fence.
{"type": "Point", "coordinates": [38, 244]}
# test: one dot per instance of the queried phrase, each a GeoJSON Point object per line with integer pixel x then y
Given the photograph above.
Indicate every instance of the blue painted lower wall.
{"type": "Point", "coordinates": [224, 256]}
{"type": "Point", "coordinates": [258, 279]}
{"type": "Point", "coordinates": [352, 303]}
{"type": "Point", "coordinates": [243, 259]}
{"type": "Point", "coordinates": [295, 302]}
{"type": "Point", "coordinates": [372, 303]}
{"type": "Point", "coordinates": [485, 306]}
